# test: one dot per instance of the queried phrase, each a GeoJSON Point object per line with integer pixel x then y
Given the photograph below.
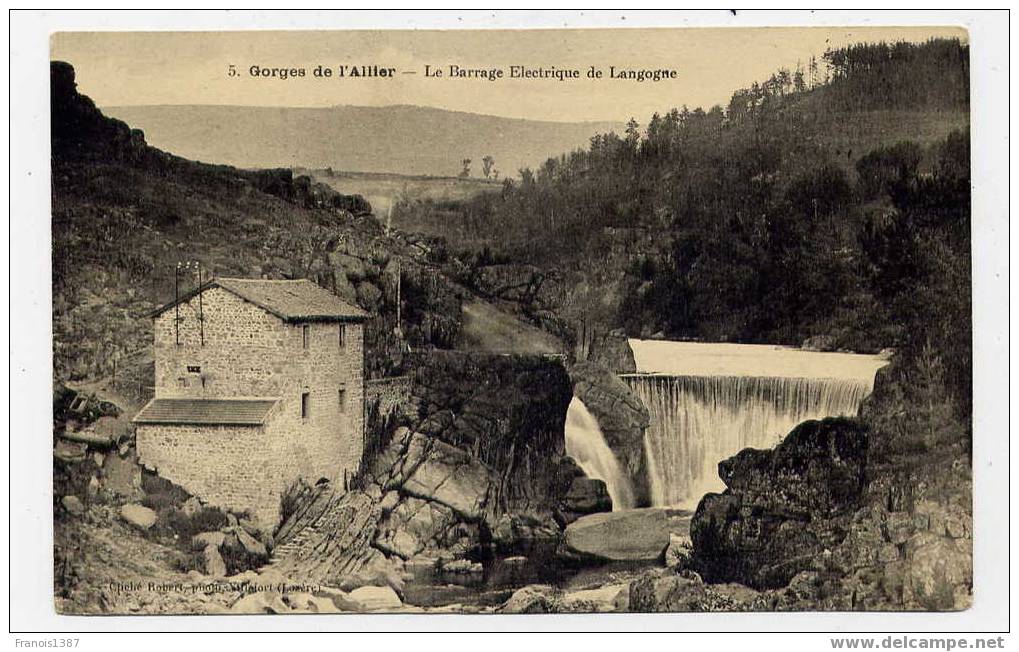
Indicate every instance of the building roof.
{"type": "Point", "coordinates": [290, 300]}
{"type": "Point", "coordinates": [206, 412]}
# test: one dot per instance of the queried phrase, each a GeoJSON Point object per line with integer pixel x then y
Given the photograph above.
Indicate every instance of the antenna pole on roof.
{"type": "Point", "coordinates": [201, 309]}
{"type": "Point", "coordinates": [176, 302]}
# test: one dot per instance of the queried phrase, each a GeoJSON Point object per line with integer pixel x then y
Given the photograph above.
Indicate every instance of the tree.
{"type": "Point", "coordinates": [632, 134]}
{"type": "Point", "coordinates": [486, 165]}
{"type": "Point", "coordinates": [466, 171]}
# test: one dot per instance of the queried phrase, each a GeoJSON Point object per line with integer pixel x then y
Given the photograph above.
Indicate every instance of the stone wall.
{"type": "Point", "coordinates": [230, 467]}
{"type": "Point", "coordinates": [247, 352]}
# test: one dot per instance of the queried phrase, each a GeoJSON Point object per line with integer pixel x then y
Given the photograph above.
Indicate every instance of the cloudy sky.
{"type": "Point", "coordinates": [144, 68]}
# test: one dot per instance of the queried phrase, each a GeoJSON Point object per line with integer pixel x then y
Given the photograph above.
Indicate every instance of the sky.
{"type": "Point", "coordinates": [146, 68]}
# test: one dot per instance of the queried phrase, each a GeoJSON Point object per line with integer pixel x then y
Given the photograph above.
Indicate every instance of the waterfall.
{"type": "Point", "coordinates": [714, 400]}
{"type": "Point", "coordinates": [586, 445]}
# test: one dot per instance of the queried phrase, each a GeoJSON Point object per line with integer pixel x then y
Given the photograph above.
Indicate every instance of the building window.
{"type": "Point", "coordinates": [305, 405]}
{"type": "Point", "coordinates": [342, 340]}
{"type": "Point", "coordinates": [342, 400]}
{"type": "Point", "coordinates": [194, 369]}
{"type": "Point", "coordinates": [182, 382]}
{"type": "Point", "coordinates": [306, 334]}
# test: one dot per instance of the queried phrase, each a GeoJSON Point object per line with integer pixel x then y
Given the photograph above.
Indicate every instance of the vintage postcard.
{"type": "Point", "coordinates": [649, 320]}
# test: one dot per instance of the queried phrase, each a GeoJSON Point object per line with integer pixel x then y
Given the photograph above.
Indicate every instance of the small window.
{"type": "Point", "coordinates": [306, 334]}
{"type": "Point", "coordinates": [305, 405]}
{"type": "Point", "coordinates": [342, 340]}
{"type": "Point", "coordinates": [194, 369]}
{"type": "Point", "coordinates": [182, 382]}
{"type": "Point", "coordinates": [342, 400]}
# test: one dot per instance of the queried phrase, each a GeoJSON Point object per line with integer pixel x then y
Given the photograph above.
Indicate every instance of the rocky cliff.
{"type": "Point", "coordinates": [868, 514]}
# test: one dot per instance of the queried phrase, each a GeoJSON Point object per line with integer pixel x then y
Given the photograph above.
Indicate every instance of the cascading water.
{"type": "Point", "coordinates": [709, 401]}
{"type": "Point", "coordinates": [586, 445]}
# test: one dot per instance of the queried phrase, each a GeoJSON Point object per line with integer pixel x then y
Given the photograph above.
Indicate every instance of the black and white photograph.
{"type": "Point", "coordinates": [621, 320]}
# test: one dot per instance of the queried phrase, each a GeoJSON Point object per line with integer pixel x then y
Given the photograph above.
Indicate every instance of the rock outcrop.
{"type": "Point", "coordinates": [507, 412]}
{"type": "Point", "coordinates": [782, 507]}
{"type": "Point", "coordinates": [613, 352]}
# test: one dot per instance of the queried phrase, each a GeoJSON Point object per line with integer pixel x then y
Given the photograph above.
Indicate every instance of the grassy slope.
{"type": "Point", "coordinates": [383, 190]}
{"type": "Point", "coordinates": [486, 328]}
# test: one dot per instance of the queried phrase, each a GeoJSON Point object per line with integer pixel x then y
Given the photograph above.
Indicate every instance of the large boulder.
{"type": "Point", "coordinates": [138, 515]}
{"type": "Point", "coordinates": [652, 593]}
{"type": "Point", "coordinates": [532, 599]}
{"type": "Point", "coordinates": [604, 599]}
{"type": "Point", "coordinates": [782, 507]}
{"type": "Point", "coordinates": [213, 562]}
{"type": "Point", "coordinates": [122, 475]}
{"type": "Point", "coordinates": [203, 540]}
{"type": "Point", "coordinates": [622, 418]}
{"type": "Point", "coordinates": [376, 598]}
{"type": "Point", "coordinates": [633, 534]}
{"type": "Point", "coordinates": [73, 505]}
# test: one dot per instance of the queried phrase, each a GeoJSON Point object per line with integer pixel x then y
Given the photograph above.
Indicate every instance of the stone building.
{"type": "Point", "coordinates": [259, 383]}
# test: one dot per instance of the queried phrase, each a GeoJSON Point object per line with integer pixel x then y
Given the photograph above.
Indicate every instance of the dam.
{"type": "Point", "coordinates": [709, 401]}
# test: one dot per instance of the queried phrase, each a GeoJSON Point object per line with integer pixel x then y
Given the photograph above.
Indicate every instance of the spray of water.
{"type": "Point", "coordinates": [586, 444]}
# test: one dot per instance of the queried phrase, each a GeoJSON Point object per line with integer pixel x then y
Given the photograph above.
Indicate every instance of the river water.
{"type": "Point", "coordinates": [707, 402]}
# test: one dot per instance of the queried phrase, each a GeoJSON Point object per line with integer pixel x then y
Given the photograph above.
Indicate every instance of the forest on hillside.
{"type": "Point", "coordinates": [830, 202]}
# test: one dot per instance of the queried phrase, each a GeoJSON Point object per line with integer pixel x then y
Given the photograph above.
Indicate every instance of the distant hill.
{"type": "Point", "coordinates": [401, 139]}
{"type": "Point", "coordinates": [125, 214]}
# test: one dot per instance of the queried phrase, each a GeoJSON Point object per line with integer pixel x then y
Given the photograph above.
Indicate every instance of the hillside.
{"type": "Point", "coordinates": [754, 222]}
{"type": "Point", "coordinates": [125, 214]}
{"type": "Point", "coordinates": [397, 139]}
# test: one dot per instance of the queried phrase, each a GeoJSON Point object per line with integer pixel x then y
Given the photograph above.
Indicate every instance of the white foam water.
{"type": "Point", "coordinates": [710, 401]}
{"type": "Point", "coordinates": [586, 444]}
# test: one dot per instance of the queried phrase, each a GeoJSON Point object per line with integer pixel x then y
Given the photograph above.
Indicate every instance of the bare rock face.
{"type": "Point", "coordinates": [782, 507]}
{"type": "Point", "coordinates": [414, 526]}
{"type": "Point", "coordinates": [633, 534]}
{"type": "Point", "coordinates": [435, 471]}
{"type": "Point", "coordinates": [508, 412]}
